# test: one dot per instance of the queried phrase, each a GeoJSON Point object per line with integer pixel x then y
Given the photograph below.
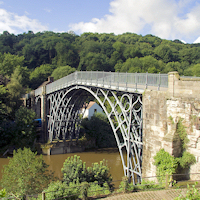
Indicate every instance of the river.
{"type": "Point", "coordinates": [55, 162]}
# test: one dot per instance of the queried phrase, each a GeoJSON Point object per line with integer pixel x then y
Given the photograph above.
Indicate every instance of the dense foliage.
{"type": "Point", "coordinates": [167, 164]}
{"type": "Point", "coordinates": [80, 181]}
{"type": "Point", "coordinates": [127, 52]}
{"type": "Point", "coordinates": [185, 159]}
{"type": "Point", "coordinates": [26, 61]}
{"type": "Point", "coordinates": [25, 174]}
{"type": "Point", "coordinates": [17, 128]}
{"type": "Point", "coordinates": [74, 170]}
{"type": "Point", "coordinates": [74, 190]}
{"type": "Point", "coordinates": [192, 193]}
{"type": "Point", "coordinates": [99, 130]}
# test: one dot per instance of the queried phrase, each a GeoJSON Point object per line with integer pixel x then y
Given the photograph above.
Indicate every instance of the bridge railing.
{"type": "Point", "coordinates": [114, 80]}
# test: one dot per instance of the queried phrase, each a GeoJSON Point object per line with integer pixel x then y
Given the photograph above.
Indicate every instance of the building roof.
{"type": "Point", "coordinates": [90, 104]}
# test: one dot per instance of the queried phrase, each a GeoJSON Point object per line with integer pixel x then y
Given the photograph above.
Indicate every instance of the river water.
{"type": "Point", "coordinates": [55, 162]}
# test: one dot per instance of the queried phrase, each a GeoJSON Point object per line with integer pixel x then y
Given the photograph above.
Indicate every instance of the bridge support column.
{"type": "Point", "coordinates": [44, 114]}
{"type": "Point", "coordinates": [32, 96]}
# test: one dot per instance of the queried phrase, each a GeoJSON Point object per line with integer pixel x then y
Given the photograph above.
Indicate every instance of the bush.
{"type": "Point", "coordinates": [2, 193]}
{"type": "Point", "coordinates": [75, 170]}
{"type": "Point", "coordinates": [74, 190]}
{"type": "Point", "coordinates": [125, 186]}
{"type": "Point", "coordinates": [147, 185]}
{"type": "Point", "coordinates": [25, 174]}
{"type": "Point", "coordinates": [60, 189]}
{"type": "Point", "coordinates": [96, 190]}
{"type": "Point", "coordinates": [165, 165]}
{"type": "Point", "coordinates": [192, 194]}
{"type": "Point", "coordinates": [186, 160]}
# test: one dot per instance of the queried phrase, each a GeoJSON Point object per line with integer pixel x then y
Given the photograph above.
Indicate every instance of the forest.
{"type": "Point", "coordinates": [35, 56]}
{"type": "Point", "coordinates": [28, 59]}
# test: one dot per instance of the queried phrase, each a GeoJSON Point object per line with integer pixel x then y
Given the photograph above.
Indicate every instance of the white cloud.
{"type": "Point", "coordinates": [197, 40]}
{"type": "Point", "coordinates": [14, 23]}
{"type": "Point", "coordinates": [165, 18]}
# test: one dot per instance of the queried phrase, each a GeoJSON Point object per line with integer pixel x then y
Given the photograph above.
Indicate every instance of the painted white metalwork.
{"type": "Point", "coordinates": [124, 112]}
{"type": "Point", "coordinates": [119, 95]}
{"type": "Point", "coordinates": [131, 82]}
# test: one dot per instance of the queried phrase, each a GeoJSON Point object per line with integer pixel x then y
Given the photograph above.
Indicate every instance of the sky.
{"type": "Point", "coordinates": [167, 19]}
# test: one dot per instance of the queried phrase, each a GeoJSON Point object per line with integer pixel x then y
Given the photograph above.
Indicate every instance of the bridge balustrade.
{"type": "Point", "coordinates": [122, 81]}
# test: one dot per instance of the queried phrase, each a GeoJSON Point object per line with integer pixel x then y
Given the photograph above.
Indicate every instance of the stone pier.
{"type": "Point", "coordinates": [161, 112]}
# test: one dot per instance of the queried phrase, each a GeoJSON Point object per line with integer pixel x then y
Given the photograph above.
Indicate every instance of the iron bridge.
{"type": "Point", "coordinates": [120, 97]}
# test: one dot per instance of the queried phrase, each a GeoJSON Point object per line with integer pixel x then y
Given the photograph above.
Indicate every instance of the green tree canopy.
{"type": "Point", "coordinates": [25, 174]}
{"type": "Point", "coordinates": [24, 128]}
{"type": "Point", "coordinates": [165, 164]}
{"type": "Point", "coordinates": [99, 129]}
{"type": "Point", "coordinates": [75, 170]}
{"type": "Point", "coordinates": [40, 74]}
{"type": "Point", "coordinates": [193, 71]}
{"type": "Point", "coordinates": [62, 71]}
{"type": "Point", "coordinates": [9, 62]}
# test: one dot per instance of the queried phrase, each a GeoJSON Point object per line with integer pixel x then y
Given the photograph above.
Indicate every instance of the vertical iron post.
{"type": "Point", "coordinates": [118, 81]}
{"type": "Point", "coordinates": [103, 78]}
{"type": "Point", "coordinates": [146, 79]}
{"type": "Point", "coordinates": [136, 80]}
{"type": "Point", "coordinates": [159, 82]}
{"type": "Point", "coordinates": [126, 80]}
{"type": "Point", "coordinates": [128, 141]}
{"type": "Point", "coordinates": [110, 78]}
{"type": "Point", "coordinates": [91, 77]}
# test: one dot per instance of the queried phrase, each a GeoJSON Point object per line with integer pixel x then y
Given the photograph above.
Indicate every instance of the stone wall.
{"type": "Point", "coordinates": [154, 128]}
{"type": "Point", "coordinates": [183, 87]}
{"type": "Point", "coordinates": [161, 112]}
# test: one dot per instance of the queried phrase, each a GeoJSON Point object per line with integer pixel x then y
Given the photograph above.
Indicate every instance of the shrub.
{"type": "Point", "coordinates": [75, 170]}
{"type": "Point", "coordinates": [165, 165]}
{"type": "Point", "coordinates": [192, 194]}
{"type": "Point", "coordinates": [25, 174]}
{"type": "Point", "coordinates": [2, 193]}
{"type": "Point", "coordinates": [60, 189]}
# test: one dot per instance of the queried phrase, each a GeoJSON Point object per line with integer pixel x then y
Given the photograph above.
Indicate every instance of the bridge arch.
{"type": "Point", "coordinates": [124, 112]}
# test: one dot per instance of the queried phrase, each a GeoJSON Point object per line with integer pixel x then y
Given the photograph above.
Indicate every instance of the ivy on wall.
{"type": "Point", "coordinates": [167, 164]}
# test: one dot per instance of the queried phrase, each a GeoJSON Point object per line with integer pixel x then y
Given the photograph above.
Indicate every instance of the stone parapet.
{"type": "Point", "coordinates": [183, 87]}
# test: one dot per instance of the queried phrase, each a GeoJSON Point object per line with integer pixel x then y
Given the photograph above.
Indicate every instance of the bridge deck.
{"type": "Point", "coordinates": [130, 82]}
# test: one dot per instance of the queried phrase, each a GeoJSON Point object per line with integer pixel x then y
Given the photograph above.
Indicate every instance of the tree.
{"type": "Point", "coordinates": [99, 129]}
{"type": "Point", "coordinates": [25, 174]}
{"type": "Point", "coordinates": [9, 62]}
{"type": "Point", "coordinates": [62, 71]}
{"type": "Point", "coordinates": [66, 55]}
{"type": "Point", "coordinates": [132, 65]}
{"type": "Point", "coordinates": [193, 71]}
{"type": "Point", "coordinates": [15, 92]}
{"type": "Point", "coordinates": [5, 130]}
{"type": "Point", "coordinates": [165, 52]}
{"type": "Point", "coordinates": [39, 75]}
{"type": "Point", "coordinates": [173, 66]}
{"type": "Point", "coordinates": [149, 64]}
{"type": "Point", "coordinates": [24, 128]}
{"type": "Point", "coordinates": [94, 62]}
